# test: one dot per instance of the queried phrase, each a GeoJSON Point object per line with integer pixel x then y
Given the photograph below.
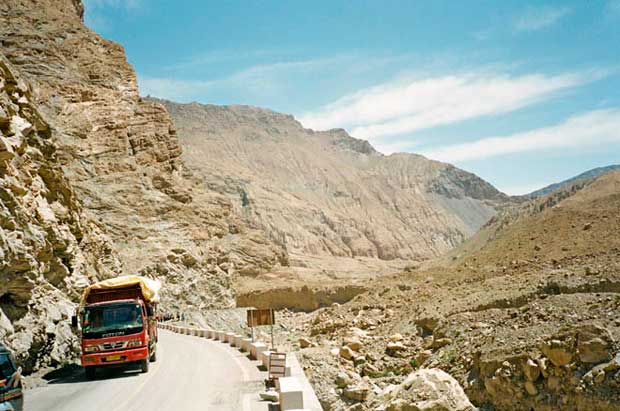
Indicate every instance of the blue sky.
{"type": "Point", "coordinates": [521, 93]}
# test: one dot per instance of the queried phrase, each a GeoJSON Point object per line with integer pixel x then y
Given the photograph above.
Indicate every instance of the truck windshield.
{"type": "Point", "coordinates": [110, 320]}
{"type": "Point", "coordinates": [7, 368]}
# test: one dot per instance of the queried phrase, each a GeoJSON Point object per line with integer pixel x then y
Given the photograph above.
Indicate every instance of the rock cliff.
{"type": "Point", "coordinates": [326, 193]}
{"type": "Point", "coordinates": [93, 183]}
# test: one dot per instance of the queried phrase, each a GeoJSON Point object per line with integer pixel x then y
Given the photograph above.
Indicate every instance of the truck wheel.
{"type": "Point", "coordinates": [153, 356]}
{"type": "Point", "coordinates": [144, 365]}
{"type": "Point", "coordinates": [90, 372]}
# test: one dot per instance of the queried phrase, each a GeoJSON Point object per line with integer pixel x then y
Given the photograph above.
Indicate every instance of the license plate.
{"type": "Point", "coordinates": [113, 358]}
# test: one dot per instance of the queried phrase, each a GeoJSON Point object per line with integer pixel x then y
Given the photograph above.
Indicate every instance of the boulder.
{"type": "Point", "coordinates": [594, 351]}
{"type": "Point", "coordinates": [346, 353]}
{"type": "Point", "coordinates": [353, 343]}
{"type": "Point", "coordinates": [342, 380]}
{"type": "Point", "coordinates": [558, 352]}
{"type": "Point", "coordinates": [305, 343]}
{"type": "Point", "coordinates": [429, 390]}
{"type": "Point", "coordinates": [359, 392]}
{"type": "Point", "coordinates": [394, 347]}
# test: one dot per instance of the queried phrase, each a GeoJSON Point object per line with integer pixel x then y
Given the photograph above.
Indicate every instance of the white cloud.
{"type": "Point", "coordinates": [591, 129]}
{"type": "Point", "coordinates": [407, 106]}
{"type": "Point", "coordinates": [263, 79]}
{"type": "Point", "coordinates": [538, 18]}
{"type": "Point", "coordinates": [115, 4]}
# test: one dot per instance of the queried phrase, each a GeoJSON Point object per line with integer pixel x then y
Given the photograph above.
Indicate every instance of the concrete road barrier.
{"type": "Point", "coordinates": [230, 338]}
{"type": "Point", "coordinates": [264, 358]}
{"type": "Point", "coordinates": [238, 339]}
{"type": "Point", "coordinates": [256, 348]}
{"type": "Point", "coordinates": [291, 394]}
{"type": "Point", "coordinates": [245, 344]}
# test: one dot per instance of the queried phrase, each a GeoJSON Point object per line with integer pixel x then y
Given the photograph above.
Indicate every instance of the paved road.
{"type": "Point", "coordinates": [191, 373]}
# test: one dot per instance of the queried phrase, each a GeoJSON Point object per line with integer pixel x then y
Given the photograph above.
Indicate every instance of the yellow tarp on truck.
{"type": "Point", "coordinates": [149, 288]}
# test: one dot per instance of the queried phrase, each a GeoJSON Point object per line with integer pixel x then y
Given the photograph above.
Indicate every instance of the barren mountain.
{"type": "Point", "coordinates": [93, 185]}
{"type": "Point", "coordinates": [524, 314]}
{"type": "Point", "coordinates": [326, 193]}
{"type": "Point", "coordinates": [595, 172]}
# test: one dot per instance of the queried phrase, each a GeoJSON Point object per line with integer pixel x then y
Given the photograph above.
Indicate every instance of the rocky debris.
{"type": "Point", "coordinates": [519, 331]}
{"type": "Point", "coordinates": [558, 352]}
{"type": "Point", "coordinates": [358, 392]}
{"type": "Point", "coordinates": [305, 343]}
{"type": "Point", "coordinates": [346, 352]}
{"type": "Point", "coordinates": [428, 390]}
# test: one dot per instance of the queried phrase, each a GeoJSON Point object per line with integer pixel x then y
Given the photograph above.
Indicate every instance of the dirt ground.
{"type": "Point", "coordinates": [525, 315]}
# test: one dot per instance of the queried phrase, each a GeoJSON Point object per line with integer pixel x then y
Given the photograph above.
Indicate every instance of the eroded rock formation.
{"type": "Point", "coordinates": [94, 185]}
{"type": "Point", "coordinates": [326, 193]}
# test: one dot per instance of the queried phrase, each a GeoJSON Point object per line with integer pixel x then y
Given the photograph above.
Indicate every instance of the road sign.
{"type": "Point", "coordinates": [261, 317]}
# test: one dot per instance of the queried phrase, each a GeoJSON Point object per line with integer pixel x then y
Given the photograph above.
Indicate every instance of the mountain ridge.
{"type": "Point", "coordinates": [341, 181]}
{"type": "Point", "coordinates": [592, 173]}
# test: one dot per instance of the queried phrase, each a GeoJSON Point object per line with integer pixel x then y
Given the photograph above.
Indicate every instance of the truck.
{"type": "Point", "coordinates": [118, 324]}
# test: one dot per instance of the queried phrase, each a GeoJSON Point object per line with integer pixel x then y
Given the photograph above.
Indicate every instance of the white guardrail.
{"type": "Point", "coordinates": [291, 388]}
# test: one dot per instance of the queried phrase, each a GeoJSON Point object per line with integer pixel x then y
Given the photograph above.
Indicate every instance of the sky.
{"type": "Point", "coordinates": [522, 93]}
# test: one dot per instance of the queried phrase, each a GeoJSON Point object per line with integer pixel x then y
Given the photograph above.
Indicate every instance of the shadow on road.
{"type": "Point", "coordinates": [74, 374]}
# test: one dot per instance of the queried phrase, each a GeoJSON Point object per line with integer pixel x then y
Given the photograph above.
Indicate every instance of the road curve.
{"type": "Point", "coordinates": [191, 373]}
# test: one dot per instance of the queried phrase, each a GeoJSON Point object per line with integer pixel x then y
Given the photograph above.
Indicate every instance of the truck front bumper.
{"type": "Point", "coordinates": [115, 357]}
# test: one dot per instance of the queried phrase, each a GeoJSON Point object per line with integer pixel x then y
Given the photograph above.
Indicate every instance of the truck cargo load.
{"type": "Point", "coordinates": [147, 288]}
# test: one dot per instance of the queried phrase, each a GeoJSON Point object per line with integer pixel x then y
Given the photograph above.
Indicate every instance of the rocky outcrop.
{"type": "Point", "coordinates": [94, 184]}
{"type": "Point", "coordinates": [326, 193]}
{"type": "Point", "coordinates": [49, 249]}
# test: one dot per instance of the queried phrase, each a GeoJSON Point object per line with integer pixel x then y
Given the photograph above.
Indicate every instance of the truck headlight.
{"type": "Point", "coordinates": [134, 343]}
{"type": "Point", "coordinates": [91, 348]}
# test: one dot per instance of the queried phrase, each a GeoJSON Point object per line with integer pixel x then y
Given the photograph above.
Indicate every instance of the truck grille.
{"type": "Point", "coordinates": [113, 345]}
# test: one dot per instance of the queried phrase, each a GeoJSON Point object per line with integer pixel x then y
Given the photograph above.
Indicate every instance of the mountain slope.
{"type": "Point", "coordinates": [524, 314]}
{"type": "Point", "coordinates": [96, 187]}
{"type": "Point", "coordinates": [595, 172]}
{"type": "Point", "coordinates": [326, 193]}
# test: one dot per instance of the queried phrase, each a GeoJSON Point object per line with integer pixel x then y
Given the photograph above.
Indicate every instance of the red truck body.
{"type": "Point", "coordinates": [119, 328]}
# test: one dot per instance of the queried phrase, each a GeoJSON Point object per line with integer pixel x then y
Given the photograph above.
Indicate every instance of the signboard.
{"type": "Point", "coordinates": [261, 317]}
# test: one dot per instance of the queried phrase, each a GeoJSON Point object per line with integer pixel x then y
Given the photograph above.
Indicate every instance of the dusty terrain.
{"type": "Point", "coordinates": [524, 315]}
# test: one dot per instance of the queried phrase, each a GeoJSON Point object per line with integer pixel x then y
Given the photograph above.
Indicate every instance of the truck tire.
{"type": "Point", "coordinates": [144, 365]}
{"type": "Point", "coordinates": [153, 356]}
{"type": "Point", "coordinates": [90, 372]}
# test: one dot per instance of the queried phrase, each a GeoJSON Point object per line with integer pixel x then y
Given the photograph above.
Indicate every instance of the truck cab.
{"type": "Point", "coordinates": [11, 395]}
{"type": "Point", "coordinates": [118, 328]}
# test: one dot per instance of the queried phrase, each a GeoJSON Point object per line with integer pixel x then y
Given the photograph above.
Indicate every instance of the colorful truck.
{"type": "Point", "coordinates": [118, 323]}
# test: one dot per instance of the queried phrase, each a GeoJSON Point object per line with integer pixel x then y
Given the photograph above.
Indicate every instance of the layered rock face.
{"type": "Point", "coordinates": [326, 193]}
{"type": "Point", "coordinates": [49, 249]}
{"type": "Point", "coordinates": [95, 164]}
